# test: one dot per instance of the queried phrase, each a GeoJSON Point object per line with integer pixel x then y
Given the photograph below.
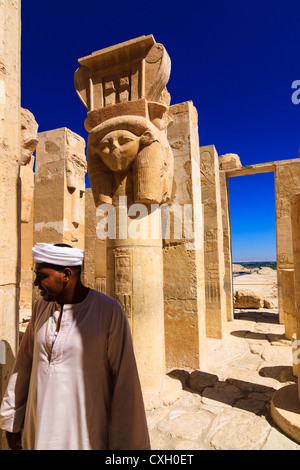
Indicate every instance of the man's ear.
{"type": "Point", "coordinates": [67, 272]}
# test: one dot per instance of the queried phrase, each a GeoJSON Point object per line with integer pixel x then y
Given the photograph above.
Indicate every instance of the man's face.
{"type": "Point", "coordinates": [50, 282]}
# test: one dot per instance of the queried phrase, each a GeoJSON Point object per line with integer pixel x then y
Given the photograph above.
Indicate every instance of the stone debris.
{"type": "Point", "coordinates": [247, 299]}
{"type": "Point", "coordinates": [227, 406]}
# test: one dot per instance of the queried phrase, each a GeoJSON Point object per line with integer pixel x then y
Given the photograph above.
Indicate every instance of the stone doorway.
{"type": "Point", "coordinates": [287, 183]}
{"type": "Point", "coordinates": [253, 240]}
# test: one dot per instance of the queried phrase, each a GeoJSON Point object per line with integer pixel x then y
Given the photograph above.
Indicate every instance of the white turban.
{"type": "Point", "coordinates": [60, 255]}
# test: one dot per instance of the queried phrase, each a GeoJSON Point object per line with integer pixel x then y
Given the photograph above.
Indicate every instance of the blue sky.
{"type": "Point", "coordinates": [236, 60]}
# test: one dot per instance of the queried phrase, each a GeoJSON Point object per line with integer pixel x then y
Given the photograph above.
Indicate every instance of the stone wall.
{"type": "Point", "coordinates": [10, 31]}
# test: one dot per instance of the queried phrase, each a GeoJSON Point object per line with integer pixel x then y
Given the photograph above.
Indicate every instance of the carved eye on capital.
{"type": "Point", "coordinates": [130, 143]}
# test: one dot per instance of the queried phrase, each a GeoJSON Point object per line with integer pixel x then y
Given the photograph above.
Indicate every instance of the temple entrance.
{"type": "Point", "coordinates": [253, 239]}
{"type": "Point", "coordinates": [287, 183]}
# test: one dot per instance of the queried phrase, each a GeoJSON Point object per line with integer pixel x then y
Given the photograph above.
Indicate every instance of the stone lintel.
{"type": "Point", "coordinates": [258, 168]}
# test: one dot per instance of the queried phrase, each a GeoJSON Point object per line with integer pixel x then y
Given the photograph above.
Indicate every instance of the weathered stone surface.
{"type": "Point", "coordinates": [185, 425]}
{"type": "Point", "coordinates": [229, 160]}
{"type": "Point", "coordinates": [29, 128]}
{"type": "Point", "coordinates": [130, 164]}
{"type": "Point", "coordinates": [295, 215]}
{"type": "Point", "coordinates": [247, 299]}
{"type": "Point", "coordinates": [276, 354]}
{"type": "Point", "coordinates": [60, 177]}
{"type": "Point", "coordinates": [215, 295]}
{"type": "Point", "coordinates": [238, 430]}
{"type": "Point", "coordinates": [287, 183]}
{"type": "Point", "coordinates": [278, 441]}
{"type": "Point", "coordinates": [120, 75]}
{"type": "Point", "coordinates": [200, 380]}
{"type": "Point", "coordinates": [184, 289]}
{"type": "Point", "coordinates": [10, 61]}
{"type": "Point", "coordinates": [95, 248]}
{"type": "Point", "coordinates": [221, 393]}
{"type": "Point", "coordinates": [29, 140]}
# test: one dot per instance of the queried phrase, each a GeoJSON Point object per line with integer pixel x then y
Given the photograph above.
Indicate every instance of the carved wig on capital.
{"type": "Point", "coordinates": [130, 147]}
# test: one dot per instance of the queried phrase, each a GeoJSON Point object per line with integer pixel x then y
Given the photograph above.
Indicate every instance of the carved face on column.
{"type": "Point", "coordinates": [29, 141]}
{"type": "Point", "coordinates": [130, 143]}
{"type": "Point", "coordinates": [118, 149]}
{"type": "Point", "coordinates": [75, 179]}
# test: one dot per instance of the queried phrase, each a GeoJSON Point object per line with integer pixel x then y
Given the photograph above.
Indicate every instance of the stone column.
{"type": "Point", "coordinates": [29, 141]}
{"type": "Point", "coordinates": [287, 183]}
{"type": "Point", "coordinates": [184, 289]}
{"type": "Point", "coordinates": [10, 30]}
{"type": "Point", "coordinates": [285, 405]}
{"type": "Point", "coordinates": [227, 161]}
{"type": "Point", "coordinates": [295, 213]}
{"type": "Point", "coordinates": [130, 167]}
{"type": "Point", "coordinates": [95, 248]}
{"type": "Point", "coordinates": [60, 188]}
{"type": "Point", "coordinates": [215, 297]}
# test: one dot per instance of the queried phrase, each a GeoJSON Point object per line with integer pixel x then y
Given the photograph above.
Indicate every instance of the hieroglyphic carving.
{"type": "Point", "coordinates": [283, 207]}
{"type": "Point", "coordinates": [288, 177]}
{"type": "Point", "coordinates": [207, 168]}
{"type": "Point", "coordinates": [212, 292]}
{"type": "Point", "coordinates": [210, 240]}
{"type": "Point", "coordinates": [123, 280]}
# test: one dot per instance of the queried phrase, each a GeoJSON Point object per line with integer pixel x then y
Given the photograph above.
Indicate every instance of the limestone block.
{"type": "Point", "coordinates": [184, 294]}
{"type": "Point", "coordinates": [295, 212]}
{"type": "Point", "coordinates": [213, 243]}
{"type": "Point", "coordinates": [246, 430]}
{"type": "Point", "coordinates": [95, 248]}
{"type": "Point", "coordinates": [228, 286]}
{"type": "Point", "coordinates": [10, 34]}
{"type": "Point", "coordinates": [126, 79]}
{"type": "Point", "coordinates": [247, 299]}
{"type": "Point", "coordinates": [138, 68]}
{"type": "Point", "coordinates": [29, 128]}
{"type": "Point", "coordinates": [287, 183]}
{"type": "Point", "coordinates": [60, 177]}
{"type": "Point", "coordinates": [27, 190]}
{"type": "Point", "coordinates": [229, 160]}
{"type": "Point", "coordinates": [286, 277]}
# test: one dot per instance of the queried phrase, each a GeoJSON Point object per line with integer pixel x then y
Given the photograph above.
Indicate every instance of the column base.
{"type": "Point", "coordinates": [285, 410]}
{"type": "Point", "coordinates": [170, 391]}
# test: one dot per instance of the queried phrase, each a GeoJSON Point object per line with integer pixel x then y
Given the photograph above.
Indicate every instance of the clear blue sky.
{"type": "Point", "coordinates": [236, 60]}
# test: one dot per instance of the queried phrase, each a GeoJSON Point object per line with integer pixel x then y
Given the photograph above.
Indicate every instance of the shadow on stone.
{"type": "Point", "coordinates": [260, 316]}
{"type": "Point", "coordinates": [281, 373]}
{"type": "Point", "coordinates": [247, 396]}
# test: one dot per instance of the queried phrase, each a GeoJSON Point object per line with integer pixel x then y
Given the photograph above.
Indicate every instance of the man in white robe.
{"type": "Point", "coordinates": [74, 385]}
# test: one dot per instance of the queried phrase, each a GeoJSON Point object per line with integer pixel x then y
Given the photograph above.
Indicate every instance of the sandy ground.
{"type": "Point", "coordinates": [263, 283]}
